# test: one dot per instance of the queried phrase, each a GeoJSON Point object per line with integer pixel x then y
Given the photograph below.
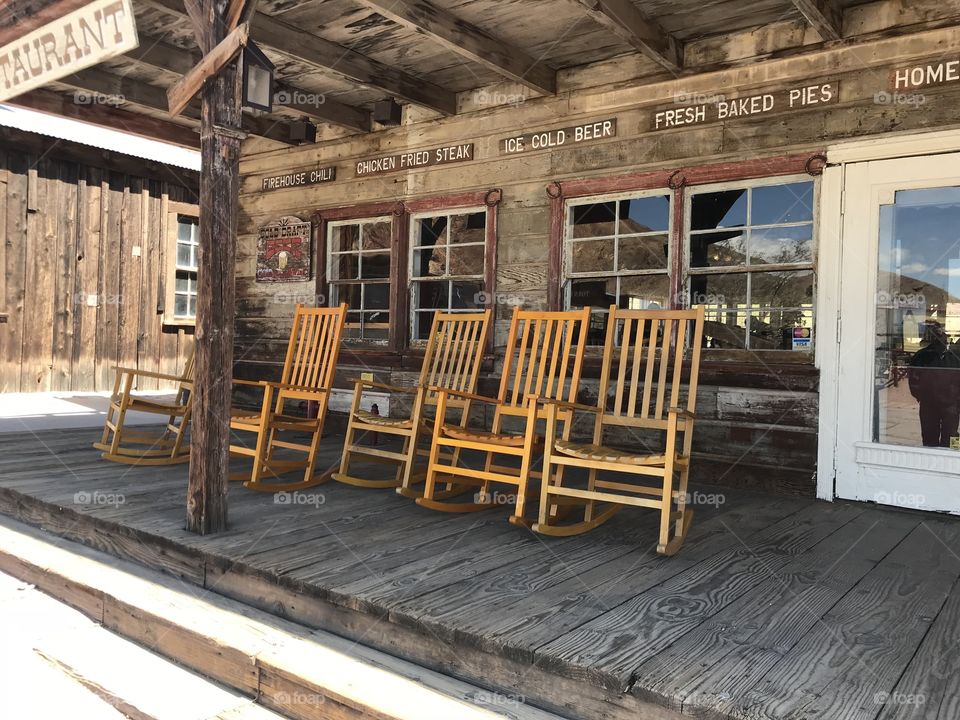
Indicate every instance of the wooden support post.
{"type": "Point", "coordinates": [219, 187]}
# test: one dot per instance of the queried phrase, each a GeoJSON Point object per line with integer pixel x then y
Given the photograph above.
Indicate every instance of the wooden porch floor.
{"type": "Point", "coordinates": [776, 607]}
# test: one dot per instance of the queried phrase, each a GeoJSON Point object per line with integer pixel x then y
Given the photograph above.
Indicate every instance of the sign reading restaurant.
{"type": "Point", "coordinates": [415, 160]}
{"type": "Point", "coordinates": [556, 139]}
{"type": "Point", "coordinates": [299, 179]}
{"type": "Point", "coordinates": [718, 108]}
{"type": "Point", "coordinates": [100, 30]}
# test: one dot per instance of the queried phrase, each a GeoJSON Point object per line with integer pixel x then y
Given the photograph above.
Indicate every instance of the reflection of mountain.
{"type": "Point", "coordinates": [897, 286]}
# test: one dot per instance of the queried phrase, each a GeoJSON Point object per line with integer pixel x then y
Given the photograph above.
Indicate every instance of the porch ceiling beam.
{"type": "Point", "coordinates": [171, 58]}
{"type": "Point", "coordinates": [155, 98]}
{"type": "Point", "coordinates": [337, 59]}
{"type": "Point", "coordinates": [643, 33]}
{"type": "Point", "coordinates": [825, 16]}
{"type": "Point", "coordinates": [469, 41]}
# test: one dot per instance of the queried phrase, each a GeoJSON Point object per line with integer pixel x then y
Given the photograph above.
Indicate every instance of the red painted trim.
{"type": "Point", "coordinates": [555, 252]}
{"type": "Point", "coordinates": [359, 212]}
{"type": "Point", "coordinates": [676, 251]}
{"type": "Point", "coordinates": [447, 202]}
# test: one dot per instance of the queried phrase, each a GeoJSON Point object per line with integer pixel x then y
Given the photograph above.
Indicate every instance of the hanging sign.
{"type": "Point", "coordinates": [720, 108]}
{"type": "Point", "coordinates": [96, 32]}
{"type": "Point", "coordinates": [283, 251]}
{"type": "Point", "coordinates": [299, 179]}
{"type": "Point", "coordinates": [415, 160]}
{"type": "Point", "coordinates": [558, 139]}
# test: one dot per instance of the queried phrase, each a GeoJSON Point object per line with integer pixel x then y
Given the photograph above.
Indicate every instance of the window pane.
{"type": "Point", "coordinates": [375, 266]}
{"type": "Point", "coordinates": [725, 331]}
{"type": "Point", "coordinates": [193, 306]}
{"type": "Point", "coordinates": [468, 228]}
{"type": "Point", "coordinates": [645, 214]}
{"type": "Point", "coordinates": [594, 220]}
{"type": "Point", "coordinates": [778, 204]}
{"type": "Point", "coordinates": [186, 230]}
{"type": "Point", "coordinates": [376, 296]}
{"type": "Point", "coordinates": [422, 322]}
{"type": "Point", "coordinates": [772, 329]}
{"type": "Point", "coordinates": [644, 292]}
{"type": "Point", "coordinates": [719, 293]}
{"type": "Point", "coordinates": [714, 210]}
{"type": "Point", "coordinates": [466, 260]}
{"type": "Point", "coordinates": [430, 262]}
{"type": "Point", "coordinates": [591, 256]}
{"type": "Point", "coordinates": [643, 253]}
{"type": "Point", "coordinates": [466, 295]}
{"type": "Point", "coordinates": [782, 245]}
{"type": "Point", "coordinates": [181, 306]}
{"type": "Point", "coordinates": [782, 289]}
{"type": "Point", "coordinates": [376, 236]}
{"type": "Point", "coordinates": [432, 295]}
{"type": "Point", "coordinates": [719, 249]}
{"type": "Point", "coordinates": [349, 294]}
{"type": "Point", "coordinates": [345, 238]}
{"type": "Point", "coordinates": [598, 293]}
{"type": "Point", "coordinates": [346, 267]}
{"type": "Point", "coordinates": [183, 283]}
{"type": "Point", "coordinates": [432, 231]}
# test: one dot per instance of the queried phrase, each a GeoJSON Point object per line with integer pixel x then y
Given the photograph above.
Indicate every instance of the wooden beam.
{"type": "Point", "coordinates": [825, 16]}
{"type": "Point", "coordinates": [468, 41]}
{"type": "Point", "coordinates": [171, 58]}
{"type": "Point", "coordinates": [641, 32]}
{"type": "Point", "coordinates": [183, 91]}
{"type": "Point", "coordinates": [19, 17]}
{"type": "Point", "coordinates": [53, 103]}
{"type": "Point", "coordinates": [216, 287]}
{"type": "Point", "coordinates": [337, 59]}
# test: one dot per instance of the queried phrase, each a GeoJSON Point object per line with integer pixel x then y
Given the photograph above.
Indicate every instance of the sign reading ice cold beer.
{"type": "Point", "coordinates": [557, 139]}
{"type": "Point", "coordinates": [719, 108]}
{"type": "Point", "coordinates": [283, 251]}
{"type": "Point", "coordinates": [415, 159]}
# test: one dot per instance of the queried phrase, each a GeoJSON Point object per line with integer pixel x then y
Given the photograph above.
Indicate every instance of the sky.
{"type": "Point", "coordinates": [97, 136]}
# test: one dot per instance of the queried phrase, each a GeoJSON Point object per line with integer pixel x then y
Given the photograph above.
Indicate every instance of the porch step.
{"type": "Point", "coordinates": [298, 672]}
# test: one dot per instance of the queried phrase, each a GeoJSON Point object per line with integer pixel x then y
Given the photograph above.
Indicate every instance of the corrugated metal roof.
{"type": "Point", "coordinates": [99, 137]}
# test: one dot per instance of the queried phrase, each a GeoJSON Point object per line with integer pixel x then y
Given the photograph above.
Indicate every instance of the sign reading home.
{"type": "Point", "coordinates": [300, 179]}
{"type": "Point", "coordinates": [557, 139]}
{"type": "Point", "coordinates": [98, 31]}
{"type": "Point", "coordinates": [940, 72]}
{"type": "Point", "coordinates": [415, 160]}
{"type": "Point", "coordinates": [283, 251]}
{"type": "Point", "coordinates": [688, 109]}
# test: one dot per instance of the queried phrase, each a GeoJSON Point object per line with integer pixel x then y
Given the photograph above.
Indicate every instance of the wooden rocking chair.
{"type": "Point", "coordinates": [452, 361]}
{"type": "Point", "coordinates": [135, 447]}
{"type": "Point", "coordinates": [648, 348]}
{"type": "Point", "coordinates": [543, 360]}
{"type": "Point", "coordinates": [307, 377]}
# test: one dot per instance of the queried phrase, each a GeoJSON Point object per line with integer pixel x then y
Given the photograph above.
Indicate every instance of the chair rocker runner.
{"type": "Point", "coordinates": [135, 447]}
{"type": "Point", "coordinates": [308, 372]}
{"type": "Point", "coordinates": [544, 358]}
{"type": "Point", "coordinates": [452, 361]}
{"type": "Point", "coordinates": [643, 363]}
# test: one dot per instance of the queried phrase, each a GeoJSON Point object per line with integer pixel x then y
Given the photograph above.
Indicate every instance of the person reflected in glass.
{"type": "Point", "coordinates": [934, 379]}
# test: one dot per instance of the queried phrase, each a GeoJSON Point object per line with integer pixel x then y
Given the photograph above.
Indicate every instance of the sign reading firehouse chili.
{"type": "Point", "coordinates": [283, 251]}
{"type": "Point", "coordinates": [96, 32]}
{"type": "Point", "coordinates": [299, 179]}
{"type": "Point", "coordinates": [415, 160]}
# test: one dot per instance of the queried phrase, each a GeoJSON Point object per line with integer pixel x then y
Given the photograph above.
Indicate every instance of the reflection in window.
{"type": "Point", "coordinates": [616, 252]}
{"type": "Point", "coordinates": [185, 284]}
{"type": "Point", "coordinates": [750, 260]}
{"type": "Point", "coordinates": [359, 272]}
{"type": "Point", "coordinates": [447, 265]}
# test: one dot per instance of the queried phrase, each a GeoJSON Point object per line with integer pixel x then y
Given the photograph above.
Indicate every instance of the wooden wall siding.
{"type": "Point", "coordinates": [765, 411]}
{"type": "Point", "coordinates": [69, 232]}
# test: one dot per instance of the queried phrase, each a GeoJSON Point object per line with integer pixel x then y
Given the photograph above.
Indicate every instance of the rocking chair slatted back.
{"type": "Point", "coordinates": [648, 348]}
{"type": "Point", "coordinates": [544, 357]}
{"type": "Point", "coordinates": [314, 346]}
{"type": "Point", "coordinates": [454, 353]}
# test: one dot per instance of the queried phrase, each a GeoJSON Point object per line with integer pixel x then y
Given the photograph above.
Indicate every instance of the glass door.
{"type": "Point", "coordinates": [898, 435]}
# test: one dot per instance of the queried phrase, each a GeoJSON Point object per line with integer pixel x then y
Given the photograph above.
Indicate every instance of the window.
{"type": "Point", "coordinates": [185, 285]}
{"type": "Point", "coordinates": [750, 252]}
{"type": "Point", "coordinates": [617, 252]}
{"type": "Point", "coordinates": [447, 265]}
{"type": "Point", "coordinates": [359, 275]}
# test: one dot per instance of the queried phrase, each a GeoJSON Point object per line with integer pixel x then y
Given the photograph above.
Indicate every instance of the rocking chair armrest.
{"type": "Point", "coordinates": [249, 383]}
{"type": "Point", "coordinates": [281, 386]}
{"type": "Point", "coordinates": [682, 412]}
{"type": "Point", "coordinates": [463, 395]}
{"type": "Point", "coordinates": [564, 404]}
{"type": "Point", "coordinates": [151, 374]}
{"type": "Point", "coordinates": [383, 386]}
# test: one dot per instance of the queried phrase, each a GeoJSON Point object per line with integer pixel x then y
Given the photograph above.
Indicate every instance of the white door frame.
{"type": "Point", "coordinates": [829, 279]}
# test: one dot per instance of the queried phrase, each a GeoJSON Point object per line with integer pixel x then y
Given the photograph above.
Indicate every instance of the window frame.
{"type": "Point", "coordinates": [747, 269]}
{"type": "Point", "coordinates": [175, 209]}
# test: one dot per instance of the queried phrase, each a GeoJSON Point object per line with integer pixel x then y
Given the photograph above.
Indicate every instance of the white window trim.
{"type": "Point", "coordinates": [174, 210]}
{"type": "Point", "coordinates": [748, 270]}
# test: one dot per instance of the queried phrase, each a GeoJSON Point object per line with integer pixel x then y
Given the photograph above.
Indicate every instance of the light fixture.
{"type": "Point", "coordinates": [257, 79]}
